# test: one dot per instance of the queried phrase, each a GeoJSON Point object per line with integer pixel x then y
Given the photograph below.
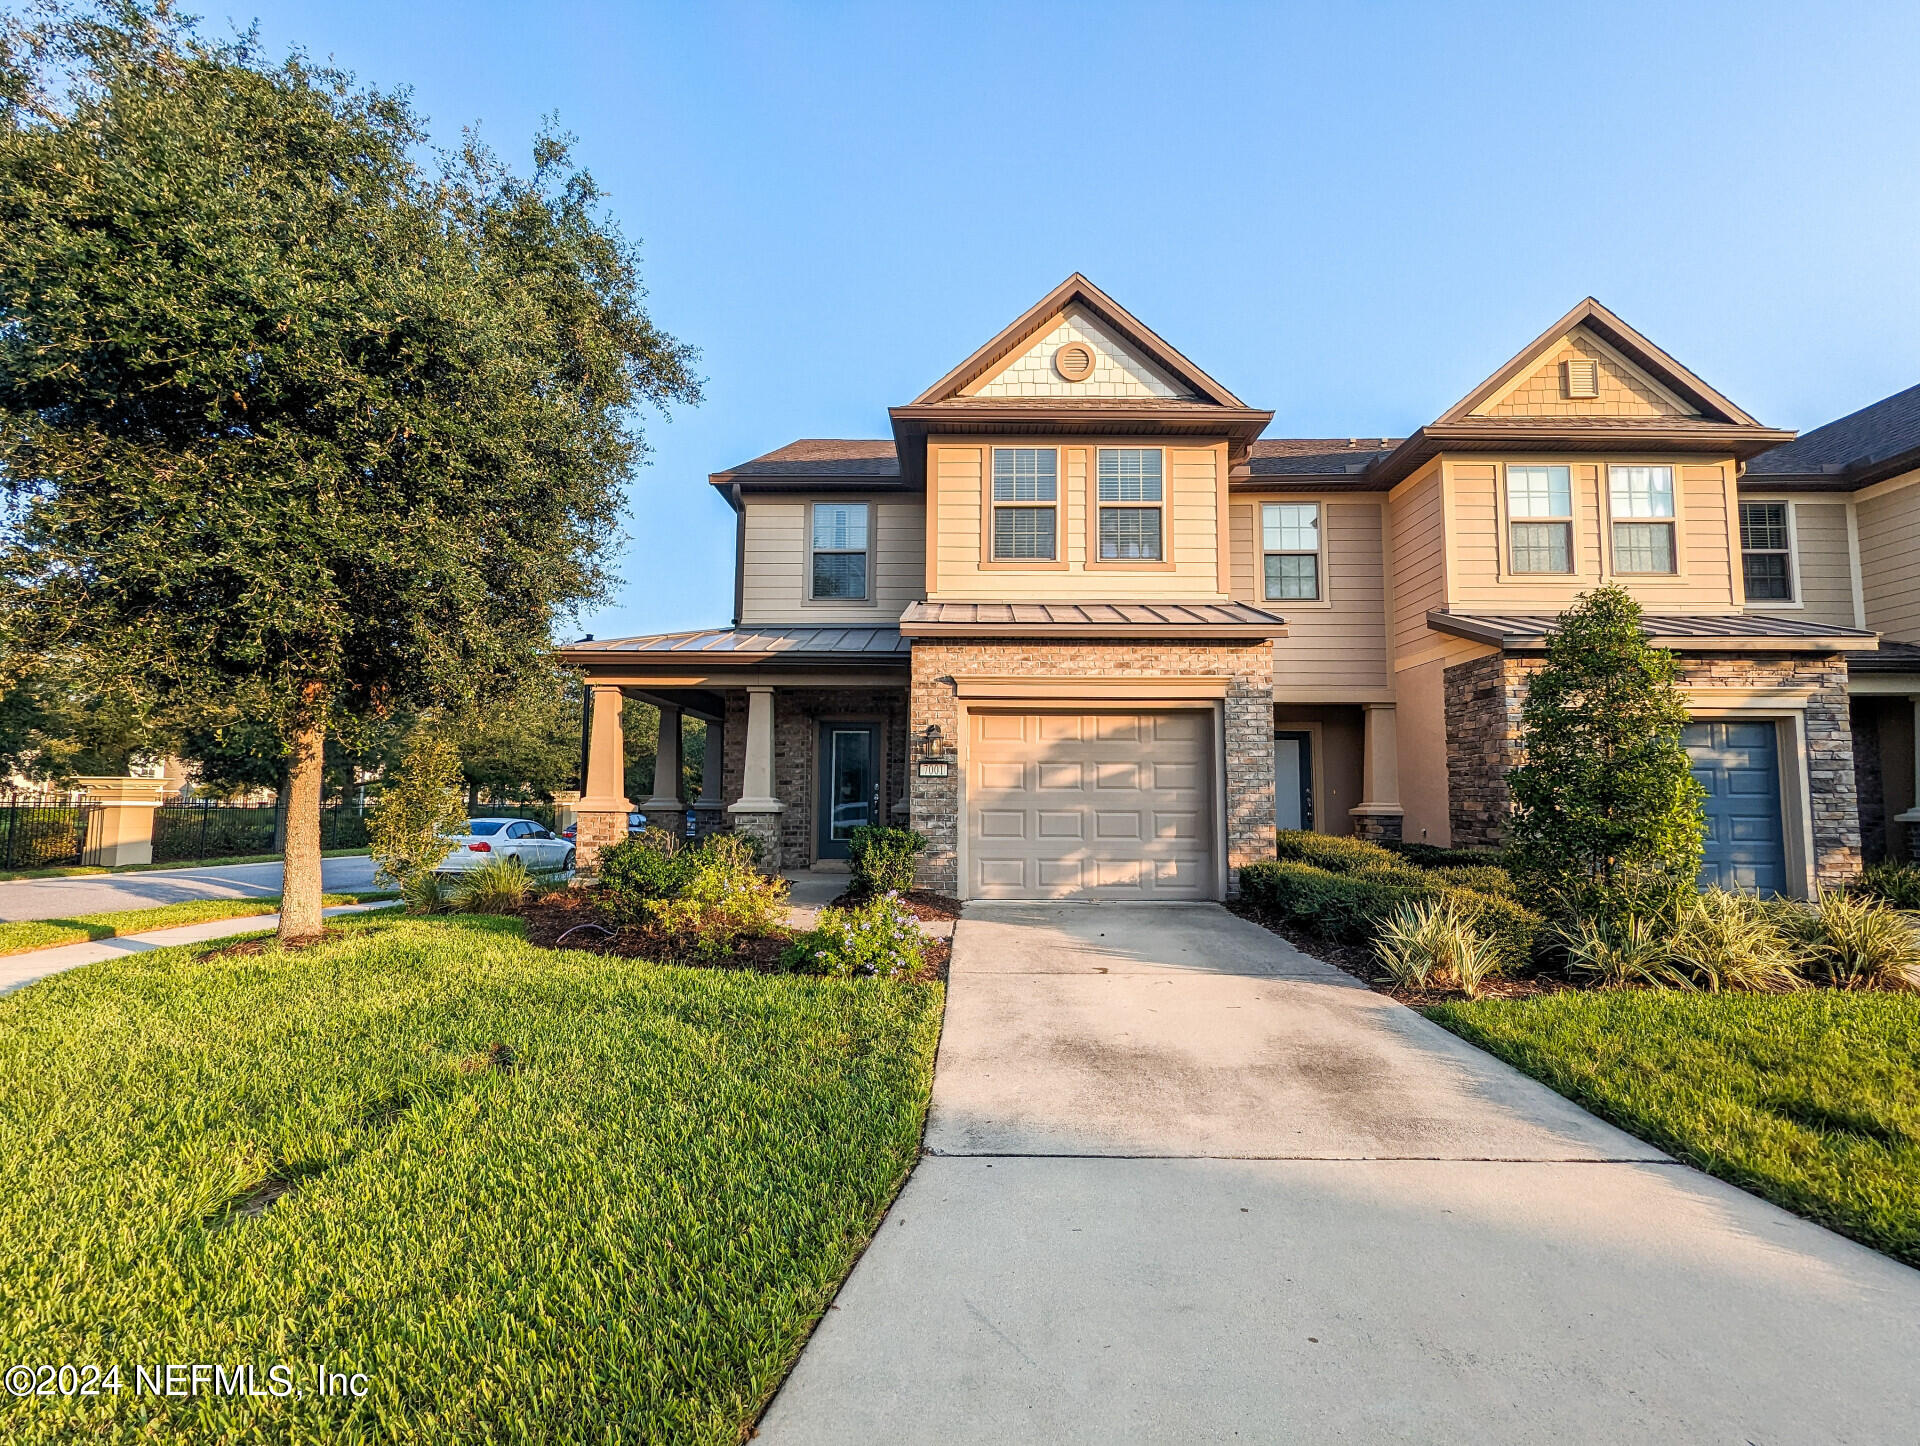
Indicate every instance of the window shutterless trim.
{"type": "Point", "coordinates": [1510, 519]}
{"type": "Point", "coordinates": [1095, 507]}
{"type": "Point", "coordinates": [1790, 551]}
{"type": "Point", "coordinates": [989, 507]}
{"type": "Point", "coordinates": [1318, 552]}
{"type": "Point", "coordinates": [864, 552]}
{"type": "Point", "coordinates": [1676, 485]}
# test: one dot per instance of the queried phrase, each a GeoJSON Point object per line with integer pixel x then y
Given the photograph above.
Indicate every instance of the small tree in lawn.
{"type": "Point", "coordinates": [1605, 807]}
{"type": "Point", "coordinates": [420, 803]}
{"type": "Point", "coordinates": [294, 429]}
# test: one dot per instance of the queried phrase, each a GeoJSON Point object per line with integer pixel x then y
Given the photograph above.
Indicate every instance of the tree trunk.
{"type": "Point", "coordinates": [300, 882]}
{"type": "Point", "coordinates": [280, 814]}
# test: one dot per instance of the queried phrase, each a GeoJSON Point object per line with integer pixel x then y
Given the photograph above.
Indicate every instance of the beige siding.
{"type": "Point", "coordinates": [1889, 527]}
{"type": "Point", "coordinates": [1415, 519]}
{"type": "Point", "coordinates": [1335, 651]}
{"type": "Point", "coordinates": [1711, 544]}
{"type": "Point", "coordinates": [776, 563]}
{"type": "Point", "coordinates": [1244, 541]}
{"type": "Point", "coordinates": [1190, 539]}
{"type": "Point", "coordinates": [1822, 567]}
{"type": "Point", "coordinates": [1625, 390]}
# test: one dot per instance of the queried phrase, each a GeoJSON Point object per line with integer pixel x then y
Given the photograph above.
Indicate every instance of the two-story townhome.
{"type": "Point", "coordinates": [1079, 623]}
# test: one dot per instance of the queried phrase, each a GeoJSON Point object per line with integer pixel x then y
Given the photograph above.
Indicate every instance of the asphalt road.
{"type": "Point", "coordinates": [100, 893]}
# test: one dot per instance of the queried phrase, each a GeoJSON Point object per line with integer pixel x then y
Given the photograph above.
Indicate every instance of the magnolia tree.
{"type": "Point", "coordinates": [294, 428]}
{"type": "Point", "coordinates": [1605, 806]}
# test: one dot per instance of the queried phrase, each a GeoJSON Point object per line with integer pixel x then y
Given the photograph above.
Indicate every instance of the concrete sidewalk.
{"type": "Point", "coordinates": [1185, 1183]}
{"type": "Point", "coordinates": [19, 970]}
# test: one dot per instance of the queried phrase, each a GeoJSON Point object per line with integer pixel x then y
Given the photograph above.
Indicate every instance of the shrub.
{"type": "Point", "coordinates": [636, 871]}
{"type": "Point", "coordinates": [424, 893]}
{"type": "Point", "coordinates": [1604, 800]}
{"type": "Point", "coordinates": [1432, 943]}
{"type": "Point", "coordinates": [1633, 949]}
{"type": "Point", "coordinates": [499, 886]}
{"type": "Point", "coordinates": [725, 899]}
{"type": "Point", "coordinates": [1433, 856]}
{"type": "Point", "coordinates": [419, 806]}
{"type": "Point", "coordinates": [1351, 907]}
{"type": "Point", "coordinates": [1892, 882]}
{"type": "Point", "coordinates": [1858, 943]}
{"type": "Point", "coordinates": [882, 859]}
{"type": "Point", "coordinates": [1333, 852]}
{"type": "Point", "coordinates": [1724, 940]}
{"type": "Point", "coordinates": [878, 937]}
{"type": "Point", "coordinates": [1482, 878]}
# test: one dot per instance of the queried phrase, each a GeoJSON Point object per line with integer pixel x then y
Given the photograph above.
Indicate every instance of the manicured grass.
{"type": "Point", "coordinates": [25, 935]}
{"type": "Point", "coordinates": [620, 1228]}
{"type": "Point", "coordinates": [1811, 1100]}
{"type": "Point", "coordinates": [79, 871]}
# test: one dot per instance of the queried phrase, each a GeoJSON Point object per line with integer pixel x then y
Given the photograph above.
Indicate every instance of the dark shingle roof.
{"type": "Point", "coordinates": [1711, 631]}
{"type": "Point", "coordinates": [815, 457]}
{"type": "Point", "coordinates": [1315, 456]}
{"type": "Point", "coordinates": [1888, 429]}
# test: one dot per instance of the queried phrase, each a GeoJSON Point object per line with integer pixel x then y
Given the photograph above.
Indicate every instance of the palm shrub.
{"type": "Point", "coordinates": [499, 886]}
{"type": "Point", "coordinates": [878, 937]}
{"type": "Point", "coordinates": [1853, 942]}
{"type": "Point", "coordinates": [1605, 805]}
{"type": "Point", "coordinates": [883, 859]}
{"type": "Point", "coordinates": [1433, 943]}
{"type": "Point", "coordinates": [1723, 940]}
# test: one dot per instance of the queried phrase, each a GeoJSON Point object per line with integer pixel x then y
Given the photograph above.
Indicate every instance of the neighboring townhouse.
{"type": "Point", "coordinates": [1079, 623]}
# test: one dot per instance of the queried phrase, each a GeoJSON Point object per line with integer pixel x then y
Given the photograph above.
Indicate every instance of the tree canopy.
{"type": "Point", "coordinates": [294, 426]}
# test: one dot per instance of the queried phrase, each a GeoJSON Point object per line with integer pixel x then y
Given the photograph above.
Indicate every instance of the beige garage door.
{"type": "Point", "coordinates": [1090, 806]}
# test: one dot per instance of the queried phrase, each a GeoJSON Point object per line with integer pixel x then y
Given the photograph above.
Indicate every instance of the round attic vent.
{"type": "Point", "coordinates": [1074, 361]}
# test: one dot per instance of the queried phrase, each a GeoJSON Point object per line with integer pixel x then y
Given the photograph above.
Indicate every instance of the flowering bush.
{"type": "Point", "coordinates": [723, 900]}
{"type": "Point", "coordinates": [879, 937]}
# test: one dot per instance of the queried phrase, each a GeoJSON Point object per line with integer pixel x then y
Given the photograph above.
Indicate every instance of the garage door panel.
{"type": "Point", "coordinates": [1110, 805]}
{"type": "Point", "coordinates": [1737, 765]}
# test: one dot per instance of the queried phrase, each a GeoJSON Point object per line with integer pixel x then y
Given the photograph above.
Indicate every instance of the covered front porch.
{"type": "Point", "coordinates": [806, 735]}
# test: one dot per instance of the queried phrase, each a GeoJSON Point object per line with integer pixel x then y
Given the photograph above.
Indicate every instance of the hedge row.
{"type": "Point", "coordinates": [1350, 906]}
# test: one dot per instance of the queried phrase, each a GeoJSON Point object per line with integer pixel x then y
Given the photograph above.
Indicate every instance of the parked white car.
{"type": "Point", "coordinates": [506, 838]}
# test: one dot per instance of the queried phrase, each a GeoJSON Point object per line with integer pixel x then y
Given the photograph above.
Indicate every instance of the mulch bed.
{"type": "Point", "coordinates": [921, 903]}
{"type": "Point", "coordinates": [570, 919]}
{"type": "Point", "coordinates": [1357, 960]}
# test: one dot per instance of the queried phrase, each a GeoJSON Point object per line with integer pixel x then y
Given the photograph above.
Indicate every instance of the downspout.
{"type": "Point", "coordinates": [739, 550]}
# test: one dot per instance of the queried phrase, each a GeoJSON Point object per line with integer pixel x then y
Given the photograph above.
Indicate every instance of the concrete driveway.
{"type": "Point", "coordinates": [1185, 1183]}
{"type": "Point", "coordinates": [100, 893]}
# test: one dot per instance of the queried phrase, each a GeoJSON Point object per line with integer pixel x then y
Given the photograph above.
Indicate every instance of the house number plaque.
{"type": "Point", "coordinates": [933, 768]}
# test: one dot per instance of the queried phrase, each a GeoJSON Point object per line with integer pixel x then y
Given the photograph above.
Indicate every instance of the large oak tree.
{"type": "Point", "coordinates": [298, 427]}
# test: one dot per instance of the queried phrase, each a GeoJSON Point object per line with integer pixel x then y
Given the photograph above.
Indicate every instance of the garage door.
{"type": "Point", "coordinates": [1739, 766]}
{"type": "Point", "coordinates": [1090, 806]}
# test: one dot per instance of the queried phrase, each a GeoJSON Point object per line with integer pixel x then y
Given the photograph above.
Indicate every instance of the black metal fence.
{"type": "Point", "coordinates": [43, 831]}
{"type": "Point", "coordinates": [184, 831]}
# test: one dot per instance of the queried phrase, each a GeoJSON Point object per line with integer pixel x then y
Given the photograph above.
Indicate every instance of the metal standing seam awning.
{"type": "Point", "coordinates": [1683, 632]}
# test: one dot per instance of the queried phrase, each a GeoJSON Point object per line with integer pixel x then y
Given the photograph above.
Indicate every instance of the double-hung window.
{"type": "Point", "coordinates": [1539, 519]}
{"type": "Point", "coordinates": [1290, 550]}
{"type": "Point", "coordinates": [1132, 530]}
{"type": "Point", "coordinates": [1026, 503]}
{"type": "Point", "coordinates": [840, 551]}
{"type": "Point", "coordinates": [1643, 518]}
{"type": "Point", "coordinates": [1766, 551]}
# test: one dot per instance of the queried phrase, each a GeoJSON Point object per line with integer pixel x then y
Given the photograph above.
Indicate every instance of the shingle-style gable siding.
{"type": "Point", "coordinates": [1118, 372]}
{"type": "Point", "coordinates": [1624, 391]}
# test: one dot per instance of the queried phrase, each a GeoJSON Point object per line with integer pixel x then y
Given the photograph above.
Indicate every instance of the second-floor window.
{"type": "Point", "coordinates": [1290, 549]}
{"type": "Point", "coordinates": [1641, 501]}
{"type": "Point", "coordinates": [1026, 503]}
{"type": "Point", "coordinates": [1540, 519]}
{"type": "Point", "coordinates": [1130, 476]}
{"type": "Point", "coordinates": [840, 551]}
{"type": "Point", "coordinates": [1766, 551]}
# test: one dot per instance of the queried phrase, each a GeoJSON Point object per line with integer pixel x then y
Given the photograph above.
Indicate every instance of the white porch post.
{"type": "Point", "coordinates": [666, 800]}
{"type": "Point", "coordinates": [1378, 814]}
{"type": "Point", "coordinates": [603, 808]}
{"type": "Point", "coordinates": [757, 814]}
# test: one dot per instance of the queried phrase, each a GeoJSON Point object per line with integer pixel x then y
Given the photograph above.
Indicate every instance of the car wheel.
{"type": "Point", "coordinates": [566, 864]}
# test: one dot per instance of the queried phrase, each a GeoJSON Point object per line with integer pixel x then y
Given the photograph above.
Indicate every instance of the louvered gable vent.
{"type": "Point", "coordinates": [1581, 378]}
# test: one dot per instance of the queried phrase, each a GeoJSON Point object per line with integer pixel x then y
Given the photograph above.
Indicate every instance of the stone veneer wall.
{"type": "Point", "coordinates": [796, 716]}
{"type": "Point", "coordinates": [1249, 726]}
{"type": "Point", "coordinates": [1483, 702]}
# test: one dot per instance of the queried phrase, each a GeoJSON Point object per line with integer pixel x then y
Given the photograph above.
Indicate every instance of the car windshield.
{"type": "Point", "coordinates": [485, 825]}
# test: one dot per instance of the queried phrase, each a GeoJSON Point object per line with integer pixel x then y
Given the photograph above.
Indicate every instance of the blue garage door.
{"type": "Point", "coordinates": [1739, 766]}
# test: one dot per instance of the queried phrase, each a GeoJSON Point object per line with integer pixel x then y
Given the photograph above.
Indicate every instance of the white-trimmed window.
{"type": "Point", "coordinates": [1026, 503]}
{"type": "Point", "coordinates": [1766, 551]}
{"type": "Point", "coordinates": [1290, 550]}
{"type": "Point", "coordinates": [1539, 519]}
{"type": "Point", "coordinates": [840, 551]}
{"type": "Point", "coordinates": [1641, 501]}
{"type": "Point", "coordinates": [1130, 477]}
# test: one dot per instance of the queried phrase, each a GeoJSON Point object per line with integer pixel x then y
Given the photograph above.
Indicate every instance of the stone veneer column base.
{"type": "Point", "coordinates": [596, 830]}
{"type": "Point", "coordinates": [1376, 827]}
{"type": "Point", "coordinates": [764, 829]}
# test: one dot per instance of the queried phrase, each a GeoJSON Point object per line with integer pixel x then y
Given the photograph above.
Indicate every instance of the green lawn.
{"type": "Point", "coordinates": [623, 1228]}
{"type": "Point", "coordinates": [80, 871]}
{"type": "Point", "coordinates": [25, 935]}
{"type": "Point", "coordinates": [1810, 1099]}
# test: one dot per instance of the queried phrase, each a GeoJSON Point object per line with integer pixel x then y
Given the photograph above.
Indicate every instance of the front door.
{"type": "Point", "coordinates": [1738, 764]}
{"type": "Point", "coordinates": [849, 784]}
{"type": "Point", "coordinates": [1293, 780]}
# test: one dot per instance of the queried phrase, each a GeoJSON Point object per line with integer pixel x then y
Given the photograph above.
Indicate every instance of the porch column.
{"type": "Point", "coordinates": [121, 828]}
{"type": "Point", "coordinates": [757, 814]}
{"type": "Point", "coordinates": [603, 808]}
{"type": "Point", "coordinates": [1911, 818]}
{"type": "Point", "coordinates": [664, 808]}
{"type": "Point", "coordinates": [1377, 815]}
{"type": "Point", "coordinates": [711, 766]}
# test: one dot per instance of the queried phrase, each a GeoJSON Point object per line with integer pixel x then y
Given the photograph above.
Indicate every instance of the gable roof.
{"type": "Point", "coordinates": [1878, 441]}
{"type": "Point", "coordinates": [818, 462]}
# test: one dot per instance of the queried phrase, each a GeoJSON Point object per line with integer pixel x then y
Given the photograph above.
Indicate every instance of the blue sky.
{"type": "Point", "coordinates": [1347, 213]}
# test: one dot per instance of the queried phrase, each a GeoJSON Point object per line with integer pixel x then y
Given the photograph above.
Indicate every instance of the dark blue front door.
{"type": "Point", "coordinates": [849, 784]}
{"type": "Point", "coordinates": [1739, 766]}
